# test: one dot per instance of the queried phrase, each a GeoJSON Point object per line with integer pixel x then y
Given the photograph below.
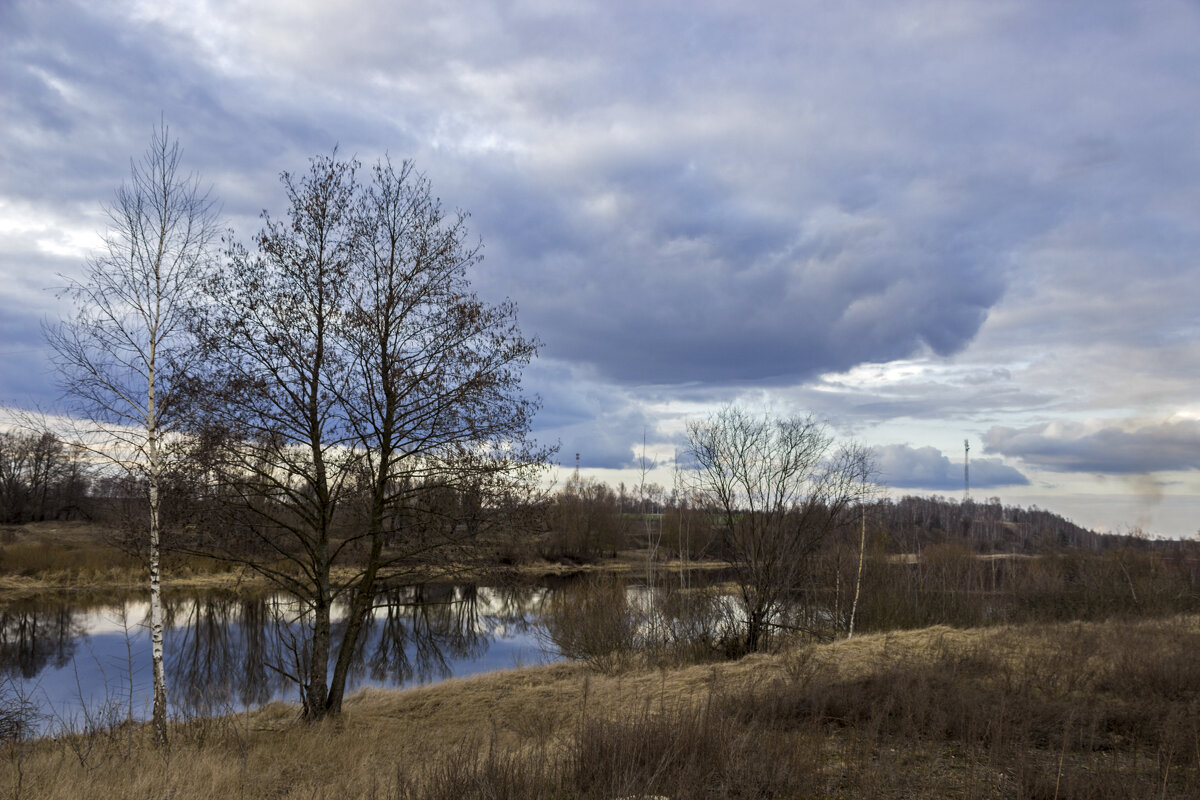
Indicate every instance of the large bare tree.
{"type": "Point", "coordinates": [120, 355]}
{"type": "Point", "coordinates": [363, 405]}
{"type": "Point", "coordinates": [778, 486]}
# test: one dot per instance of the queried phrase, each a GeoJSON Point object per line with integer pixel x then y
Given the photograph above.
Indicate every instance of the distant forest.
{"type": "Point", "coordinates": [41, 479]}
{"type": "Point", "coordinates": [586, 517]}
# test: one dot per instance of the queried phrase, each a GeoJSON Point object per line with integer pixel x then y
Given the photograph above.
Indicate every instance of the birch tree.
{"type": "Point", "coordinates": [120, 356]}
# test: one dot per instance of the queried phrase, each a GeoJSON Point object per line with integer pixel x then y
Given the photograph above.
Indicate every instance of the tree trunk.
{"type": "Point", "coordinates": [316, 693]}
{"type": "Point", "coordinates": [156, 614]}
{"type": "Point", "coordinates": [755, 624]}
{"type": "Point", "coordinates": [361, 603]}
{"type": "Point", "coordinates": [862, 551]}
{"type": "Point", "coordinates": [156, 622]}
{"type": "Point", "coordinates": [360, 607]}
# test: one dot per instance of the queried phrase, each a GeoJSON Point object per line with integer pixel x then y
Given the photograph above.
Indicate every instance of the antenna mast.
{"type": "Point", "coordinates": [966, 470]}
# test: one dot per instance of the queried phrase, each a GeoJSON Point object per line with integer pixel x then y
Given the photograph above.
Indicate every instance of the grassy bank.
{"type": "Point", "coordinates": [1066, 710]}
{"type": "Point", "coordinates": [77, 555]}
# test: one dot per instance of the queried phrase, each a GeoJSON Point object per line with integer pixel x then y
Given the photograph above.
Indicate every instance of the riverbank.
{"type": "Point", "coordinates": [1069, 710]}
{"type": "Point", "coordinates": [76, 556]}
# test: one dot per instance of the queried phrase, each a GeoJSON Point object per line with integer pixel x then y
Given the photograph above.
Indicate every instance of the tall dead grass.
{"type": "Point", "coordinates": [67, 564]}
{"type": "Point", "coordinates": [74, 564]}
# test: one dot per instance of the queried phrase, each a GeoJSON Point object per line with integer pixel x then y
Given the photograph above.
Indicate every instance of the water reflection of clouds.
{"type": "Point", "coordinates": [106, 619]}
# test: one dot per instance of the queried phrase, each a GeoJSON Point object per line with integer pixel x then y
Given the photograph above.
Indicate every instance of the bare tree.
{"type": "Point", "coordinates": [584, 521]}
{"type": "Point", "coordinates": [433, 398]}
{"type": "Point", "coordinates": [269, 392]}
{"type": "Point", "coordinates": [365, 405]}
{"type": "Point", "coordinates": [119, 357]}
{"type": "Point", "coordinates": [40, 477]}
{"type": "Point", "coordinates": [779, 487]}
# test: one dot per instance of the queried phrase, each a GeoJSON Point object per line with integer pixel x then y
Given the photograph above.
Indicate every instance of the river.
{"type": "Point", "coordinates": [86, 663]}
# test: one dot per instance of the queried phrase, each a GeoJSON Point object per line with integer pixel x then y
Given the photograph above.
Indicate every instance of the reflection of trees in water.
{"type": "Point", "coordinates": [416, 631]}
{"type": "Point", "coordinates": [217, 652]}
{"type": "Point", "coordinates": [605, 618]}
{"type": "Point", "coordinates": [33, 637]}
{"type": "Point", "coordinates": [226, 652]}
{"type": "Point", "coordinates": [518, 608]}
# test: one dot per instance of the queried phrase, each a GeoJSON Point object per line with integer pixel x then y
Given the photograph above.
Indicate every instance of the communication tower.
{"type": "Point", "coordinates": [966, 470]}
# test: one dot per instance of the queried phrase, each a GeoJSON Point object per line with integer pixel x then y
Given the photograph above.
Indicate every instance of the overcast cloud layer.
{"type": "Point", "coordinates": [925, 221]}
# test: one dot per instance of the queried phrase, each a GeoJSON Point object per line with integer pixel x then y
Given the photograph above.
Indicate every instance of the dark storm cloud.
{"type": "Point", "coordinates": [926, 468]}
{"type": "Point", "coordinates": [872, 233]}
{"type": "Point", "coordinates": [766, 303]}
{"type": "Point", "coordinates": [1119, 448]}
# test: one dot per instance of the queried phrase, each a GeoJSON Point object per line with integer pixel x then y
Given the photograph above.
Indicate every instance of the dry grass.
{"type": "Point", "coordinates": [1069, 710]}
{"type": "Point", "coordinates": [42, 555]}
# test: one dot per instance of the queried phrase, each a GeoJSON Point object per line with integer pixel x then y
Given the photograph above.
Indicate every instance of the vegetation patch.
{"type": "Point", "coordinates": [1073, 710]}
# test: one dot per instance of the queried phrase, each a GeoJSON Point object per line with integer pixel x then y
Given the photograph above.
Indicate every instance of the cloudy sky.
{"type": "Point", "coordinates": [924, 221]}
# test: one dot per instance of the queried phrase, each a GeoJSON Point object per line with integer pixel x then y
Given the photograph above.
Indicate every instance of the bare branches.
{"type": "Point", "coordinates": [130, 328]}
{"type": "Point", "coordinates": [122, 356]}
{"type": "Point", "coordinates": [780, 487]}
{"type": "Point", "coordinates": [363, 405]}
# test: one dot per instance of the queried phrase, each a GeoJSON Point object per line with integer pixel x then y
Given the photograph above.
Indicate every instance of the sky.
{"type": "Point", "coordinates": [925, 222]}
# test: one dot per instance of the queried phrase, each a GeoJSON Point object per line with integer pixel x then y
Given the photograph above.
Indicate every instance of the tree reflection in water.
{"type": "Point", "coordinates": [415, 631]}
{"type": "Point", "coordinates": [217, 653]}
{"type": "Point", "coordinates": [34, 636]}
{"type": "Point", "coordinates": [225, 653]}
{"type": "Point", "coordinates": [75, 654]}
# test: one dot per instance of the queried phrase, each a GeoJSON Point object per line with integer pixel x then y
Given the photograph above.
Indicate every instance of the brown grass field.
{"type": "Point", "coordinates": [77, 555]}
{"type": "Point", "coordinates": [1069, 710]}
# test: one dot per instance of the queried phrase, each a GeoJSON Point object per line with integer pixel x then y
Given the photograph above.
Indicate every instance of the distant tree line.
{"type": "Point", "coordinates": [913, 523]}
{"type": "Point", "coordinates": [587, 519]}
{"type": "Point", "coordinates": [40, 479]}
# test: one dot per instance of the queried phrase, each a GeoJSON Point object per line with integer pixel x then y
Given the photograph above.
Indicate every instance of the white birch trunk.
{"type": "Point", "coordinates": [862, 550]}
{"type": "Point", "coordinates": [156, 614]}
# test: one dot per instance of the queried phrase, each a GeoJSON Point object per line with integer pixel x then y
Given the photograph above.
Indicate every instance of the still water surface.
{"type": "Point", "coordinates": [87, 663]}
